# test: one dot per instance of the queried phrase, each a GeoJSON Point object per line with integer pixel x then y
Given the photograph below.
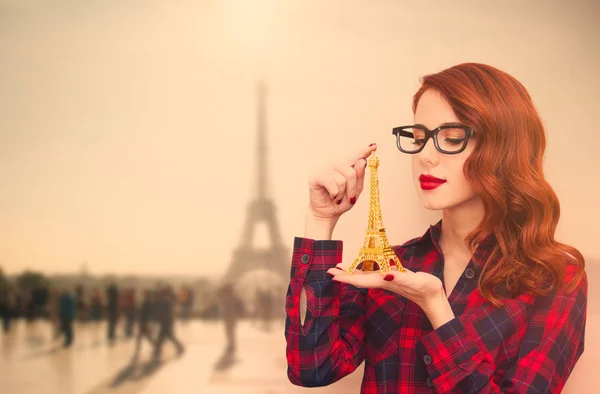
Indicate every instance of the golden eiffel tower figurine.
{"type": "Point", "coordinates": [376, 248]}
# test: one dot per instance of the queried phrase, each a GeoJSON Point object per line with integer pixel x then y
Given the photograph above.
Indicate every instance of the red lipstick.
{"type": "Point", "coordinates": [429, 182]}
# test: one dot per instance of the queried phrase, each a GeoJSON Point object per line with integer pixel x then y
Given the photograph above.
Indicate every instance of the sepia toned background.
{"type": "Point", "coordinates": [128, 135]}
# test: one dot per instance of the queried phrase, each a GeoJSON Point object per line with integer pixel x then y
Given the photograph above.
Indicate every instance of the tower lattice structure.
{"type": "Point", "coordinates": [247, 257]}
{"type": "Point", "coordinates": [376, 248]}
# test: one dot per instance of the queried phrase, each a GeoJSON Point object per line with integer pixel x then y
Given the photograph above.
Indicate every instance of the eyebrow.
{"type": "Point", "coordinates": [443, 124]}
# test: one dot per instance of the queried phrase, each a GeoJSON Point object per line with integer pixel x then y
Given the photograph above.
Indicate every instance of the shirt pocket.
{"type": "Point", "coordinates": [384, 318]}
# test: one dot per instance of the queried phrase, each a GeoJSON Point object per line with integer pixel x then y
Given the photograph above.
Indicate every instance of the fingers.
{"type": "Point", "coordinates": [361, 153]}
{"type": "Point", "coordinates": [353, 171]}
{"type": "Point", "coordinates": [358, 278]}
{"type": "Point", "coordinates": [360, 169]}
{"type": "Point", "coordinates": [343, 181]}
{"type": "Point", "coordinates": [389, 277]}
{"type": "Point", "coordinates": [350, 178]}
{"type": "Point", "coordinates": [358, 162]}
{"type": "Point", "coordinates": [345, 178]}
{"type": "Point", "coordinates": [334, 183]}
{"type": "Point", "coordinates": [334, 271]}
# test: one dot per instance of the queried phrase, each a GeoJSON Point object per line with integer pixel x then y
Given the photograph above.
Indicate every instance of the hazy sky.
{"type": "Point", "coordinates": [127, 128]}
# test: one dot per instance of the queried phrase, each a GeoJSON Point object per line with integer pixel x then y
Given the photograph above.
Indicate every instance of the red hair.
{"type": "Point", "coordinates": [505, 170]}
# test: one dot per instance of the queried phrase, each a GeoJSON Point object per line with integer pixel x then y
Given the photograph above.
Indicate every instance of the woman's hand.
{"type": "Point", "coordinates": [424, 289]}
{"type": "Point", "coordinates": [333, 190]}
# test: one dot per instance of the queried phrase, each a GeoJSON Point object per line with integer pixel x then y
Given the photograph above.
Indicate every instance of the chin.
{"type": "Point", "coordinates": [438, 202]}
{"type": "Point", "coordinates": [432, 203]}
{"type": "Point", "coordinates": [431, 206]}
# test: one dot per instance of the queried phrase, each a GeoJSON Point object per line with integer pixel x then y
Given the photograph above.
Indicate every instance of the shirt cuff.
{"type": "Point", "coordinates": [312, 258]}
{"type": "Point", "coordinates": [451, 350]}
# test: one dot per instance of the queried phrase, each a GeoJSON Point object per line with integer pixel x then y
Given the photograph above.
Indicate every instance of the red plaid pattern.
{"type": "Point", "coordinates": [528, 345]}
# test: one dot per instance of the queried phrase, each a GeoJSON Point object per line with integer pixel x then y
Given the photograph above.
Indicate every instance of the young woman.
{"type": "Point", "coordinates": [490, 302]}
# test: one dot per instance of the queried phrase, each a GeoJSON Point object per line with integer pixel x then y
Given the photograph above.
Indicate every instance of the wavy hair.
{"type": "Point", "coordinates": [505, 170]}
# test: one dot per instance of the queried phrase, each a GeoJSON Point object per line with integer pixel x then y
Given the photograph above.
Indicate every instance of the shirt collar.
{"type": "Point", "coordinates": [482, 252]}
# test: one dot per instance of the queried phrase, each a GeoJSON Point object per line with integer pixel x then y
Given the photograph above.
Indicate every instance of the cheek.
{"type": "Point", "coordinates": [460, 180]}
{"type": "Point", "coordinates": [415, 165]}
{"type": "Point", "coordinates": [457, 165]}
{"type": "Point", "coordinates": [454, 169]}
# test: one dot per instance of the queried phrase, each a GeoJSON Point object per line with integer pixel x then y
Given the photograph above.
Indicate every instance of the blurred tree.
{"type": "Point", "coordinates": [3, 280]}
{"type": "Point", "coordinates": [30, 280]}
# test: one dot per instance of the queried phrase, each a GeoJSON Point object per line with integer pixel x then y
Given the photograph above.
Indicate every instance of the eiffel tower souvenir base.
{"type": "Point", "coordinates": [376, 251]}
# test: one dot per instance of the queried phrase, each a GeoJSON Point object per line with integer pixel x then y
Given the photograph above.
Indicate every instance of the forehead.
{"type": "Point", "coordinates": [433, 110]}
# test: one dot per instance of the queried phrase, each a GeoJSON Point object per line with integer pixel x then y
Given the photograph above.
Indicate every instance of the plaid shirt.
{"type": "Point", "coordinates": [528, 345]}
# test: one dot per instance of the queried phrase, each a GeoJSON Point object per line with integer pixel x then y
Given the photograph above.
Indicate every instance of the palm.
{"type": "Point", "coordinates": [416, 286]}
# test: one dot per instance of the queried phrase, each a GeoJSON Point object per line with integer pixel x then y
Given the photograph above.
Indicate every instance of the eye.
{"type": "Point", "coordinates": [455, 141]}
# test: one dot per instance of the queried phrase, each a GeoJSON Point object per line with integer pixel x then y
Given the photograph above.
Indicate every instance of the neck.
{"type": "Point", "coordinates": [457, 223]}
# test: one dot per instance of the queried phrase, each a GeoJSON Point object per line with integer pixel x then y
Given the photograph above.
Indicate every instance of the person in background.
{"type": "Point", "coordinates": [67, 313]}
{"type": "Point", "coordinates": [145, 317]}
{"type": "Point", "coordinates": [82, 313]}
{"type": "Point", "coordinates": [231, 309]}
{"type": "Point", "coordinates": [129, 308]}
{"type": "Point", "coordinates": [186, 300]}
{"type": "Point", "coordinates": [96, 306]}
{"type": "Point", "coordinates": [165, 313]}
{"type": "Point", "coordinates": [54, 312]}
{"type": "Point", "coordinates": [112, 310]}
{"type": "Point", "coordinates": [9, 306]}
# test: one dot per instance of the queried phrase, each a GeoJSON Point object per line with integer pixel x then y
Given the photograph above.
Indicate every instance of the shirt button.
{"type": "Point", "coordinates": [305, 258]}
{"type": "Point", "coordinates": [427, 359]}
{"type": "Point", "coordinates": [429, 382]}
{"type": "Point", "coordinates": [469, 273]}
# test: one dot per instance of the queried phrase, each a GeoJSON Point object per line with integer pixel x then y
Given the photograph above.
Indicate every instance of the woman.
{"type": "Point", "coordinates": [489, 301]}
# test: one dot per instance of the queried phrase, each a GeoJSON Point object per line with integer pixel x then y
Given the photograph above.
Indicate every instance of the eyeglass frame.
{"type": "Point", "coordinates": [433, 134]}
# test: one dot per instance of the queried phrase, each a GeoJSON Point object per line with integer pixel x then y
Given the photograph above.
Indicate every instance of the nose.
{"type": "Point", "coordinates": [429, 156]}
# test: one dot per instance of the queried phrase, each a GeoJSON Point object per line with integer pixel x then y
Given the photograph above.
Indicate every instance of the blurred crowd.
{"type": "Point", "coordinates": [146, 314]}
{"type": "Point", "coordinates": [152, 311]}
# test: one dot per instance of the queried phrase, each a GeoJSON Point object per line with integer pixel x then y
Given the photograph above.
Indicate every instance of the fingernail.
{"type": "Point", "coordinates": [353, 200]}
{"type": "Point", "coordinates": [329, 273]}
{"type": "Point", "coordinates": [389, 277]}
{"type": "Point", "coordinates": [372, 144]}
{"type": "Point", "coordinates": [339, 201]}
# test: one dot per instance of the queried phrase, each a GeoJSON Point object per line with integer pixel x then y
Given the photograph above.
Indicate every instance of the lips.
{"type": "Point", "coordinates": [429, 182]}
{"type": "Point", "coordinates": [430, 178]}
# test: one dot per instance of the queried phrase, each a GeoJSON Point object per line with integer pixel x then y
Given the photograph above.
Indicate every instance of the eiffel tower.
{"type": "Point", "coordinates": [249, 263]}
{"type": "Point", "coordinates": [376, 251]}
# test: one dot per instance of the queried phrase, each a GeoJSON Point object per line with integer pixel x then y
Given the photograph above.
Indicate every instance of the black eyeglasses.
{"type": "Point", "coordinates": [449, 138]}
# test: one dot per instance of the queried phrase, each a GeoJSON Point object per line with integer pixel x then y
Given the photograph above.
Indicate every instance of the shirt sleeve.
{"type": "Point", "coordinates": [330, 343]}
{"type": "Point", "coordinates": [457, 357]}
